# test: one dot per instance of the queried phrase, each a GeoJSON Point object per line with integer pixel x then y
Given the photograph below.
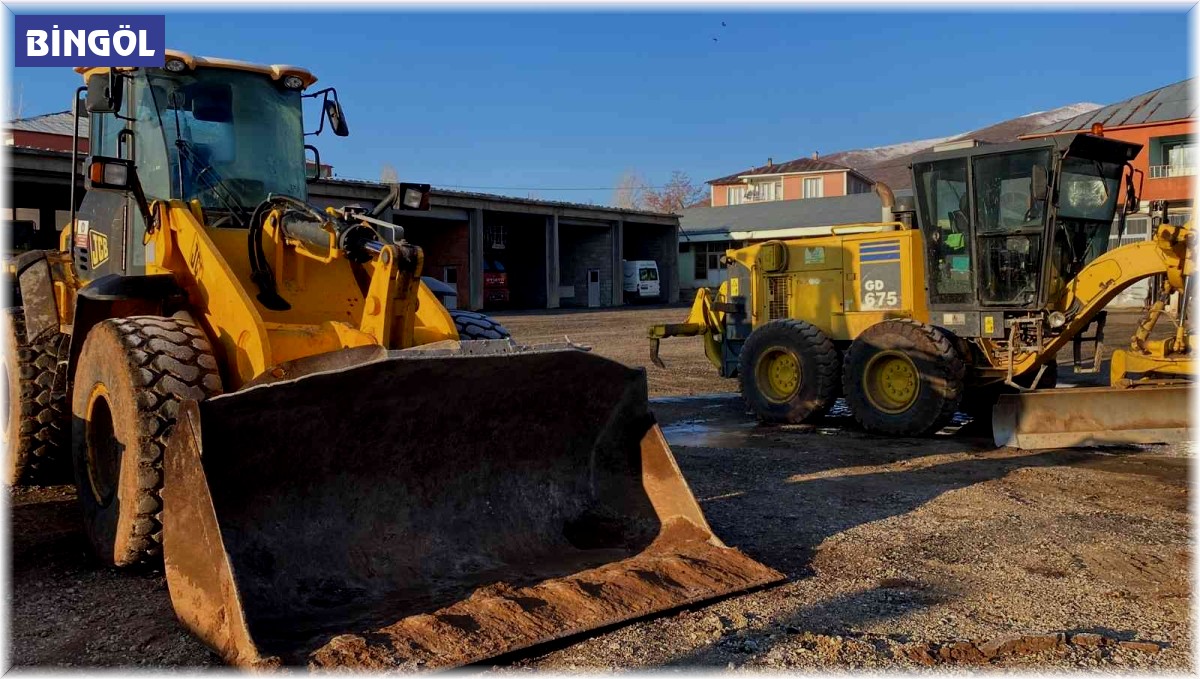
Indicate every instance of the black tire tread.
{"type": "Point", "coordinates": [949, 363]}
{"type": "Point", "coordinates": [44, 431]}
{"type": "Point", "coordinates": [171, 360]}
{"type": "Point", "coordinates": [816, 344]}
{"type": "Point", "coordinates": [472, 325]}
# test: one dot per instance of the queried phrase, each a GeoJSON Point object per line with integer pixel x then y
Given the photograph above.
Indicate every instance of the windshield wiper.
{"type": "Point", "coordinates": [212, 180]}
{"type": "Point", "coordinates": [208, 174]}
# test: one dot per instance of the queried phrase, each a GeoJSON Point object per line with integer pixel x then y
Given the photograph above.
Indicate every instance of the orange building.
{"type": "Point", "coordinates": [793, 180]}
{"type": "Point", "coordinates": [1162, 121]}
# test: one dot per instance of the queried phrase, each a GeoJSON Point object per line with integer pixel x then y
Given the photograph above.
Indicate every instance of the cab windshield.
{"type": "Point", "coordinates": [232, 137]}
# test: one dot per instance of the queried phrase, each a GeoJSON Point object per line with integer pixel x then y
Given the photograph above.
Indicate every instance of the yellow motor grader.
{"type": "Point", "coordinates": [335, 470]}
{"type": "Point", "coordinates": [963, 297]}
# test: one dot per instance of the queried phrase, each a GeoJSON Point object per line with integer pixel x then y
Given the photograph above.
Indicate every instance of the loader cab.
{"type": "Point", "coordinates": [1005, 226]}
{"type": "Point", "coordinates": [218, 135]}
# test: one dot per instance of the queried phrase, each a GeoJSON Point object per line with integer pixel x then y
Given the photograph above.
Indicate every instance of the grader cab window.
{"type": "Point", "coordinates": [1010, 219]}
{"type": "Point", "coordinates": [944, 202]}
{"type": "Point", "coordinates": [1087, 198]}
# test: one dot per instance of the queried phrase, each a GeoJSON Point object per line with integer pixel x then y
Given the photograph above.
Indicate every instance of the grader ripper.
{"type": "Point", "coordinates": [336, 470]}
{"type": "Point", "coordinates": [962, 299]}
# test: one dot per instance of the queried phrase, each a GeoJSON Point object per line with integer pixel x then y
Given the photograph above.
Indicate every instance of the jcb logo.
{"type": "Point", "coordinates": [99, 249]}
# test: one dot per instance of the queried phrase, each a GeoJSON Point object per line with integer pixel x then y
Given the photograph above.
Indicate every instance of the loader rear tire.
{"type": "Point", "coordinates": [36, 426]}
{"type": "Point", "coordinates": [903, 378]}
{"type": "Point", "coordinates": [133, 374]}
{"type": "Point", "coordinates": [473, 325]}
{"type": "Point", "coordinates": [788, 370]}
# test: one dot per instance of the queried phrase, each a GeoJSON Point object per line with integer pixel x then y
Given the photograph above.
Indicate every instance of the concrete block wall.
{"type": "Point", "coordinates": [580, 249]}
{"type": "Point", "coordinates": [445, 244]}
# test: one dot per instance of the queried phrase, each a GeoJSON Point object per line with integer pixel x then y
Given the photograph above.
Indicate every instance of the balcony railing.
{"type": "Point", "coordinates": [1161, 171]}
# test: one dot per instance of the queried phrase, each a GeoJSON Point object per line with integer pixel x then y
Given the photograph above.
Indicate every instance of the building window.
{"type": "Point", "coordinates": [701, 256]}
{"type": "Point", "coordinates": [450, 275]}
{"type": "Point", "coordinates": [765, 191]}
{"type": "Point", "coordinates": [735, 195]}
{"type": "Point", "coordinates": [707, 257]}
{"type": "Point", "coordinates": [1180, 157]}
{"type": "Point", "coordinates": [813, 187]}
{"type": "Point", "coordinates": [496, 235]}
{"type": "Point", "coordinates": [1172, 157]}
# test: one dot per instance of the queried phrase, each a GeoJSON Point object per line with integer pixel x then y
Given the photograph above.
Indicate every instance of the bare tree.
{"type": "Point", "coordinates": [630, 190]}
{"type": "Point", "coordinates": [679, 192]}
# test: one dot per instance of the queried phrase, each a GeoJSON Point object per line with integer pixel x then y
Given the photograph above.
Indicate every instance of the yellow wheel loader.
{"type": "Point", "coordinates": [960, 298]}
{"type": "Point", "coordinates": [335, 470]}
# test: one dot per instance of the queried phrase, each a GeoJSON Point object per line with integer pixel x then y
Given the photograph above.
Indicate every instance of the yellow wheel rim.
{"type": "Point", "coordinates": [891, 382]}
{"type": "Point", "coordinates": [779, 374]}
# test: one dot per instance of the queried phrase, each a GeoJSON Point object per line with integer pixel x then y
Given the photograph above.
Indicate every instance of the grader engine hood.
{"type": "Point", "coordinates": [432, 511]}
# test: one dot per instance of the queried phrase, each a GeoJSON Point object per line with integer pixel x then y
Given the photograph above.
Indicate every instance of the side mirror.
{"type": "Point", "coordinates": [312, 168]}
{"type": "Point", "coordinates": [1132, 204]}
{"type": "Point", "coordinates": [337, 120]}
{"type": "Point", "coordinates": [1039, 186]}
{"type": "Point", "coordinates": [104, 92]}
{"type": "Point", "coordinates": [411, 197]}
{"type": "Point", "coordinates": [110, 174]}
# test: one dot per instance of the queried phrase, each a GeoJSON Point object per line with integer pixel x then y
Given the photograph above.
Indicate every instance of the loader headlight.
{"type": "Point", "coordinates": [1056, 319]}
{"type": "Point", "coordinates": [412, 197]}
{"type": "Point", "coordinates": [293, 82]}
{"type": "Point", "coordinates": [175, 65]}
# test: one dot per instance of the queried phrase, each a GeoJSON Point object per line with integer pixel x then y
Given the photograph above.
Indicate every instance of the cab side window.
{"type": "Point", "coordinates": [944, 202]}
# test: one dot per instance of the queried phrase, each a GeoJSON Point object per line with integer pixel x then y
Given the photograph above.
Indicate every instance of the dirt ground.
{"type": "Point", "coordinates": [900, 553]}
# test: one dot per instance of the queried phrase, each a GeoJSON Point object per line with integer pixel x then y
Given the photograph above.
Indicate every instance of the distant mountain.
{"type": "Point", "coordinates": [889, 164]}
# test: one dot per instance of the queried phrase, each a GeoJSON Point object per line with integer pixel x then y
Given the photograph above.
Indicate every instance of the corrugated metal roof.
{"type": "Point", "coordinates": [797, 165]}
{"type": "Point", "coordinates": [50, 123]}
{"type": "Point", "coordinates": [1156, 106]}
{"type": "Point", "coordinates": [507, 199]}
{"type": "Point", "coordinates": [782, 214]}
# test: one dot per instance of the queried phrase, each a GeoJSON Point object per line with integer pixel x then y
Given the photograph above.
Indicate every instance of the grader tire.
{"type": "Point", "coordinates": [36, 427]}
{"type": "Point", "coordinates": [903, 378]}
{"type": "Point", "coordinates": [788, 371]}
{"type": "Point", "coordinates": [133, 374]}
{"type": "Point", "coordinates": [473, 325]}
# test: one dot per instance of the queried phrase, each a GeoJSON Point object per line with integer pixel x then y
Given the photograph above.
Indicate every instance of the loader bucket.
{"type": "Point", "coordinates": [1091, 416]}
{"type": "Point", "coordinates": [430, 511]}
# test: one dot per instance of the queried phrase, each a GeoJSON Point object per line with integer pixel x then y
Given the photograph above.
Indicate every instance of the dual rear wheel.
{"type": "Point", "coordinates": [899, 377]}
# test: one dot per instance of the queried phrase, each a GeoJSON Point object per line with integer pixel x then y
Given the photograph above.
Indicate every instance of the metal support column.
{"type": "Point", "coordinates": [475, 258]}
{"type": "Point", "coordinates": [618, 243]}
{"type": "Point", "coordinates": [552, 261]}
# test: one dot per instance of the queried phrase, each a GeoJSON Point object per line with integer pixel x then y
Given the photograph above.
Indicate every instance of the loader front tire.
{"type": "Point", "coordinates": [36, 426]}
{"type": "Point", "coordinates": [132, 375]}
{"type": "Point", "coordinates": [472, 325]}
{"type": "Point", "coordinates": [903, 378]}
{"type": "Point", "coordinates": [789, 371]}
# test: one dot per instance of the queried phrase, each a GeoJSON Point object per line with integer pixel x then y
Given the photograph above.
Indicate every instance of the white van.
{"type": "Point", "coordinates": [641, 279]}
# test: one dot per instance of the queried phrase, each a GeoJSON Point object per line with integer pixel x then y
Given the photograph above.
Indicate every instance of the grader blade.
{"type": "Point", "coordinates": [1092, 416]}
{"type": "Point", "coordinates": [430, 511]}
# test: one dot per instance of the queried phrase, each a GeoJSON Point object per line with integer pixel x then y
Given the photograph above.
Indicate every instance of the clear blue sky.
{"type": "Point", "coordinates": [573, 99]}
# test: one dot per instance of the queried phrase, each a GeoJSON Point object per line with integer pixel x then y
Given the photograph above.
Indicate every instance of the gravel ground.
{"type": "Point", "coordinates": [900, 553]}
